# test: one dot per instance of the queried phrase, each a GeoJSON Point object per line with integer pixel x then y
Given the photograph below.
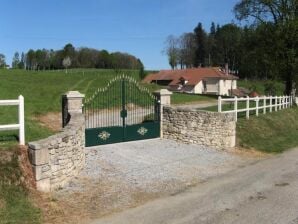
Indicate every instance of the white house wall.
{"type": "Point", "coordinates": [199, 88]}
{"type": "Point", "coordinates": [212, 86]}
{"type": "Point", "coordinates": [226, 86]}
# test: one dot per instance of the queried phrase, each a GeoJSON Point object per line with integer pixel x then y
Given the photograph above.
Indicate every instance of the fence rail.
{"type": "Point", "coordinates": [21, 125]}
{"type": "Point", "coordinates": [263, 103]}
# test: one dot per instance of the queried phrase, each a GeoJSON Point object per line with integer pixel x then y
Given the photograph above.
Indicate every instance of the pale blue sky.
{"type": "Point", "coordinates": [138, 27]}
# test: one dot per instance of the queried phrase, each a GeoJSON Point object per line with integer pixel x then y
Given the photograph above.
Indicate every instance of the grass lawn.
{"type": "Point", "coordinates": [274, 132]}
{"type": "Point", "coordinates": [183, 98]}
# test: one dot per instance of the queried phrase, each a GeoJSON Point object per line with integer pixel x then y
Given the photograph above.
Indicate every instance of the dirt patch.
{"type": "Point", "coordinates": [2, 204]}
{"type": "Point", "coordinates": [51, 120]}
{"type": "Point", "coordinates": [27, 178]}
{"type": "Point", "coordinates": [53, 210]}
{"type": "Point", "coordinates": [249, 153]}
{"type": "Point", "coordinates": [99, 199]}
{"type": "Point", "coordinates": [6, 156]}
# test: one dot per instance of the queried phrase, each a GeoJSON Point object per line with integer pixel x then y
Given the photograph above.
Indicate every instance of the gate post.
{"type": "Point", "coordinates": [72, 102]}
{"type": "Point", "coordinates": [164, 98]}
{"type": "Point", "coordinates": [75, 101]}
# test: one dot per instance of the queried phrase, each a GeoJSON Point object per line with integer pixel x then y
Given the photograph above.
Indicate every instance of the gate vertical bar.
{"type": "Point", "coordinates": [123, 107]}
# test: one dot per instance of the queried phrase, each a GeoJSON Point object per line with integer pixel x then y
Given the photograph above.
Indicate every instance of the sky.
{"type": "Point", "coordinates": [138, 27]}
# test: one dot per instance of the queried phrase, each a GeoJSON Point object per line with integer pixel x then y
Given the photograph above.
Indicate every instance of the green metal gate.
{"type": "Point", "coordinates": [122, 111]}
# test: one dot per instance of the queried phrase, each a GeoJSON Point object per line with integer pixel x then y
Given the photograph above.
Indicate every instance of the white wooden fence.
{"type": "Point", "coordinates": [269, 103]}
{"type": "Point", "coordinates": [21, 125]}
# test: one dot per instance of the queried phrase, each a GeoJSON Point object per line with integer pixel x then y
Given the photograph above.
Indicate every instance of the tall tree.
{"type": "Point", "coordinates": [2, 61]}
{"type": "Point", "coordinates": [16, 60]}
{"type": "Point", "coordinates": [31, 59]}
{"type": "Point", "coordinates": [201, 44]}
{"type": "Point", "coordinates": [70, 51]}
{"type": "Point", "coordinates": [282, 15]}
{"type": "Point", "coordinates": [22, 63]}
{"type": "Point", "coordinates": [228, 42]}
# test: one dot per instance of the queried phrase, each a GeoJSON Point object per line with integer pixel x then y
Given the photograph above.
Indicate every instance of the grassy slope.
{"type": "Point", "coordinates": [14, 204]}
{"type": "Point", "coordinates": [274, 132]}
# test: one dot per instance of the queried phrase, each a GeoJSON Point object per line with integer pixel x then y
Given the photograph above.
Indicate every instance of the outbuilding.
{"type": "Point", "coordinates": [215, 81]}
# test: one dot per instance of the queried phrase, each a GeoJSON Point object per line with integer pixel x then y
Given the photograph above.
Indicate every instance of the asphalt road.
{"type": "Point", "coordinates": [261, 193]}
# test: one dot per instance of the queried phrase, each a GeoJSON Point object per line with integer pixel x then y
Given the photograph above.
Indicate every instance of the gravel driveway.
{"type": "Point", "coordinates": [124, 175]}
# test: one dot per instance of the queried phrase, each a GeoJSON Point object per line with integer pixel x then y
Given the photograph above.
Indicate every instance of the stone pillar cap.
{"type": "Point", "coordinates": [74, 94]}
{"type": "Point", "coordinates": [163, 92]}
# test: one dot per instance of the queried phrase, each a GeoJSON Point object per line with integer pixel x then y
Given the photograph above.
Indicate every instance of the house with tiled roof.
{"type": "Point", "coordinates": [214, 81]}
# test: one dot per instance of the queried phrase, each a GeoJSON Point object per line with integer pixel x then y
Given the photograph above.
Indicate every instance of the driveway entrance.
{"type": "Point", "coordinates": [123, 175]}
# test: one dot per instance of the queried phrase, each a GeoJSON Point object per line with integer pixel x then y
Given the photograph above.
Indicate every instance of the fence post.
{"type": "Point", "coordinates": [280, 103]}
{"type": "Point", "coordinates": [21, 120]}
{"type": "Point", "coordinates": [270, 101]}
{"type": "Point", "coordinates": [247, 107]}
{"type": "Point", "coordinates": [236, 107]}
{"type": "Point", "coordinates": [275, 103]}
{"type": "Point", "coordinates": [264, 105]}
{"type": "Point", "coordinates": [219, 104]}
{"type": "Point", "coordinates": [257, 106]}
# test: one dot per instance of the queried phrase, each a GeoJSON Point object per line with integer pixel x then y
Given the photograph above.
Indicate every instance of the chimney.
{"type": "Point", "coordinates": [227, 69]}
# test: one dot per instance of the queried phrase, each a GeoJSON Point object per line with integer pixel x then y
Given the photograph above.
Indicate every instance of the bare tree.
{"type": "Point", "coordinates": [172, 51]}
{"type": "Point", "coordinates": [66, 63]}
{"type": "Point", "coordinates": [187, 48]}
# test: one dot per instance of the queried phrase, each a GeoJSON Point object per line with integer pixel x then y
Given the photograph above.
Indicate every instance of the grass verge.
{"type": "Point", "coordinates": [274, 132]}
{"type": "Point", "coordinates": [15, 206]}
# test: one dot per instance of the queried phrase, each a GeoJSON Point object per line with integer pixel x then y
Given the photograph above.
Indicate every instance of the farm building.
{"type": "Point", "coordinates": [195, 80]}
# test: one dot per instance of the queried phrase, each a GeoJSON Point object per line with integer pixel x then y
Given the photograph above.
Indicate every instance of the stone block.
{"type": "Point", "coordinates": [43, 185]}
{"type": "Point", "coordinates": [39, 157]}
{"type": "Point", "coordinates": [39, 172]}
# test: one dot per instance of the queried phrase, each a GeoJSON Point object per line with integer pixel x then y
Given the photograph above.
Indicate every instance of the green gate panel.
{"type": "Point", "coordinates": [102, 136]}
{"type": "Point", "coordinates": [142, 131]}
{"type": "Point", "coordinates": [122, 111]}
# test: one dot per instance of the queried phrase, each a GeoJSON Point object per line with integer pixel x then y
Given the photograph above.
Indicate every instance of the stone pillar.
{"type": "Point", "coordinates": [40, 158]}
{"type": "Point", "coordinates": [75, 101]}
{"type": "Point", "coordinates": [164, 97]}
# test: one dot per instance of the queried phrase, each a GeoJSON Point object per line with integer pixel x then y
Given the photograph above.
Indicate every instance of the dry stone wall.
{"type": "Point", "coordinates": [199, 127]}
{"type": "Point", "coordinates": [57, 159]}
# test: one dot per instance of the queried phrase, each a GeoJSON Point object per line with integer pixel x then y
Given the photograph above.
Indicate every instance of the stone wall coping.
{"type": "Point", "coordinates": [187, 109]}
{"type": "Point", "coordinates": [162, 92]}
{"type": "Point", "coordinates": [74, 94]}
